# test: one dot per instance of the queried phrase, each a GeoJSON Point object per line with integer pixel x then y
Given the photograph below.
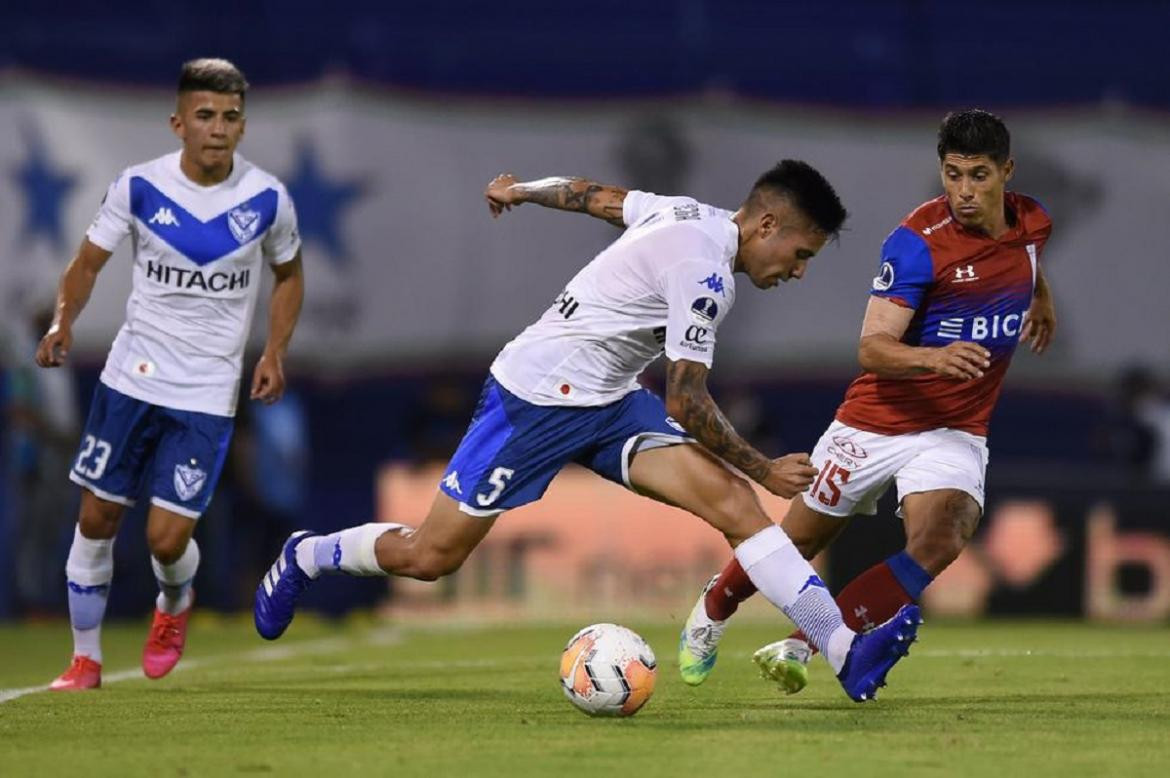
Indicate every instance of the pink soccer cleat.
{"type": "Point", "coordinates": [83, 673]}
{"type": "Point", "coordinates": [164, 644]}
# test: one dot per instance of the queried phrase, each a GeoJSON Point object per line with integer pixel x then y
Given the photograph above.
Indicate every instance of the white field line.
{"type": "Point", "coordinates": [265, 654]}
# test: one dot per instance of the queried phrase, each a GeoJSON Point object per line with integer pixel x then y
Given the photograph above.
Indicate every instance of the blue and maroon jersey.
{"type": "Point", "coordinates": [962, 286]}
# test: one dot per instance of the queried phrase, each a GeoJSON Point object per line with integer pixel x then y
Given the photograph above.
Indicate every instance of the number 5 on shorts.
{"type": "Point", "coordinates": [498, 479]}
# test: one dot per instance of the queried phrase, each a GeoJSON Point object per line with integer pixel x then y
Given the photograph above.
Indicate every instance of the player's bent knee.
{"type": "Point", "coordinates": [167, 543]}
{"type": "Point", "coordinates": [99, 519]}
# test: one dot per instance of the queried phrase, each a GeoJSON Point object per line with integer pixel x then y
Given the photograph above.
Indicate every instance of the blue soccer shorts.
{"type": "Point", "coordinates": [513, 449]}
{"type": "Point", "coordinates": [127, 442]}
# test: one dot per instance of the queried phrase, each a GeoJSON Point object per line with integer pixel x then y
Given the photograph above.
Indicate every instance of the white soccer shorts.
{"type": "Point", "coordinates": [857, 467]}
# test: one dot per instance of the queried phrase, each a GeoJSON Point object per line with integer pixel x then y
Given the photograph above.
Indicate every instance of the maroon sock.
{"type": "Point", "coordinates": [868, 600]}
{"type": "Point", "coordinates": [732, 588]}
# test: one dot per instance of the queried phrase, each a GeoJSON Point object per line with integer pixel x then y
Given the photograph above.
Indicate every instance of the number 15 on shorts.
{"type": "Point", "coordinates": [826, 488]}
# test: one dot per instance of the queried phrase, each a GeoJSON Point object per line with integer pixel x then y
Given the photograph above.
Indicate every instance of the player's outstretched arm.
{"type": "Point", "coordinates": [883, 353]}
{"type": "Point", "coordinates": [565, 194]}
{"type": "Point", "coordinates": [691, 405]}
{"type": "Point", "coordinates": [72, 294]}
{"type": "Point", "coordinates": [1040, 322]}
{"type": "Point", "coordinates": [283, 311]}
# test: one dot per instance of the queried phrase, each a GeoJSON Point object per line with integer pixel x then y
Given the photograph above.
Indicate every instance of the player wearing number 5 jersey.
{"type": "Point", "coordinates": [202, 223]}
{"type": "Point", "coordinates": [959, 285]}
{"type": "Point", "coordinates": [565, 390]}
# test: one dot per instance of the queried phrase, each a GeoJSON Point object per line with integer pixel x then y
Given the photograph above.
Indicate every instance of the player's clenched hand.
{"type": "Point", "coordinates": [54, 347]}
{"type": "Point", "coordinates": [960, 360]}
{"type": "Point", "coordinates": [500, 195]}
{"type": "Point", "coordinates": [790, 475]}
{"type": "Point", "coordinates": [1039, 323]}
{"type": "Point", "coordinates": [268, 380]}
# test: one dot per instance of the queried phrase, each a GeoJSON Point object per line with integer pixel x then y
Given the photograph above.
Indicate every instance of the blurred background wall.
{"type": "Point", "coordinates": [386, 120]}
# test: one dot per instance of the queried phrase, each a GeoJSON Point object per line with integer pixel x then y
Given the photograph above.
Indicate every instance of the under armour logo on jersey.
{"type": "Point", "coordinates": [713, 282]}
{"type": "Point", "coordinates": [813, 580]}
{"type": "Point", "coordinates": [964, 274]}
{"type": "Point", "coordinates": [452, 482]}
{"type": "Point", "coordinates": [165, 217]}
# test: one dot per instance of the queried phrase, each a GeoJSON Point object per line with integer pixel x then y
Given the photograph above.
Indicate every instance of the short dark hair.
{"type": "Point", "coordinates": [212, 75]}
{"type": "Point", "coordinates": [807, 189]}
{"type": "Point", "coordinates": [974, 132]}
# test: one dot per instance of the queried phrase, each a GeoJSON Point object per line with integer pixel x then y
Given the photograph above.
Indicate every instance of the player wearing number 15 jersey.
{"type": "Point", "coordinates": [202, 223]}
{"type": "Point", "coordinates": [565, 390]}
{"type": "Point", "coordinates": [959, 285]}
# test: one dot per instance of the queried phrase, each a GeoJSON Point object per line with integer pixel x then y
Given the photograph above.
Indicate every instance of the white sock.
{"type": "Point", "coordinates": [88, 573]}
{"type": "Point", "coordinates": [789, 582]}
{"type": "Point", "coordinates": [174, 580]}
{"type": "Point", "coordinates": [349, 551]}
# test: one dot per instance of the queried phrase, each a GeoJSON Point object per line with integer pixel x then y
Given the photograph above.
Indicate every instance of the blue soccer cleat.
{"type": "Point", "coordinates": [281, 587]}
{"type": "Point", "coordinates": [873, 654]}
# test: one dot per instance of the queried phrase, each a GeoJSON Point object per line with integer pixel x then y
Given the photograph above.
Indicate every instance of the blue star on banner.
{"type": "Point", "coordinates": [45, 188]}
{"type": "Point", "coordinates": [320, 200]}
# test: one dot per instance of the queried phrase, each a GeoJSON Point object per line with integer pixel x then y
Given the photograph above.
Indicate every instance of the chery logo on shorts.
{"type": "Point", "coordinates": [847, 446]}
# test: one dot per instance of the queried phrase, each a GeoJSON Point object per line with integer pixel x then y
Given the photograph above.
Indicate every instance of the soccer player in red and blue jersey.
{"type": "Point", "coordinates": [958, 287]}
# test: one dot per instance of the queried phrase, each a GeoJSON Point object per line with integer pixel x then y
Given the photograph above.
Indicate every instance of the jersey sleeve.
{"type": "Point", "coordinates": [697, 301]}
{"type": "Point", "coordinates": [283, 240]}
{"type": "Point", "coordinates": [638, 205]}
{"type": "Point", "coordinates": [113, 220]}
{"type": "Point", "coordinates": [907, 271]}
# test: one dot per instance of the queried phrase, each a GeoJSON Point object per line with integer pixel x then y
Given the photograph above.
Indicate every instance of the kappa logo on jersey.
{"type": "Point", "coordinates": [885, 277]}
{"type": "Point", "coordinates": [704, 310]}
{"type": "Point", "coordinates": [452, 482]}
{"type": "Point", "coordinates": [189, 480]}
{"type": "Point", "coordinates": [965, 274]}
{"type": "Point", "coordinates": [165, 217]}
{"type": "Point", "coordinates": [243, 222]}
{"type": "Point", "coordinates": [714, 282]}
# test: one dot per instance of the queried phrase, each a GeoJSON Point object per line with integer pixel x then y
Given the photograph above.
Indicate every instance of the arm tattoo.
{"type": "Point", "coordinates": [578, 194]}
{"type": "Point", "coordinates": [686, 387]}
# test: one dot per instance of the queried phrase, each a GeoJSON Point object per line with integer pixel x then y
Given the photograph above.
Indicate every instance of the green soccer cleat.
{"type": "Point", "coordinates": [786, 663]}
{"type": "Point", "coordinates": [698, 645]}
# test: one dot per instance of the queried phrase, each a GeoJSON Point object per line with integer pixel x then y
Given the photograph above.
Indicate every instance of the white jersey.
{"type": "Point", "coordinates": [197, 270]}
{"type": "Point", "coordinates": [664, 285]}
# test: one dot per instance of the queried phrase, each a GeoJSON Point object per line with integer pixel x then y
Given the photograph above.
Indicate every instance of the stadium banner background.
{"type": "Point", "coordinates": [405, 266]}
{"type": "Point", "coordinates": [591, 547]}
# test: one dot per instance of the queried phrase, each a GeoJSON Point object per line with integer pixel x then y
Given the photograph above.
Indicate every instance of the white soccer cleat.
{"type": "Point", "coordinates": [698, 645]}
{"type": "Point", "coordinates": [786, 663]}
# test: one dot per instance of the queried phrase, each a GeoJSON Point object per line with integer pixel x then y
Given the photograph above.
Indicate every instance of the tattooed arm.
{"type": "Point", "coordinates": [566, 194]}
{"type": "Point", "coordinates": [691, 405]}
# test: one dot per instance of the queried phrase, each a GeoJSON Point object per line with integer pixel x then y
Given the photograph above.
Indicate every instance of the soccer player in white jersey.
{"type": "Point", "coordinates": [200, 220]}
{"type": "Point", "coordinates": [565, 390]}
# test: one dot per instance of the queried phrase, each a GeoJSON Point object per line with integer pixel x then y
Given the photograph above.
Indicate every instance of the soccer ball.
{"type": "Point", "coordinates": [607, 670]}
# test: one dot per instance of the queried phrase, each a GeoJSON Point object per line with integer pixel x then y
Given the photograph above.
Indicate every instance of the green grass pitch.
{"type": "Point", "coordinates": [1002, 699]}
